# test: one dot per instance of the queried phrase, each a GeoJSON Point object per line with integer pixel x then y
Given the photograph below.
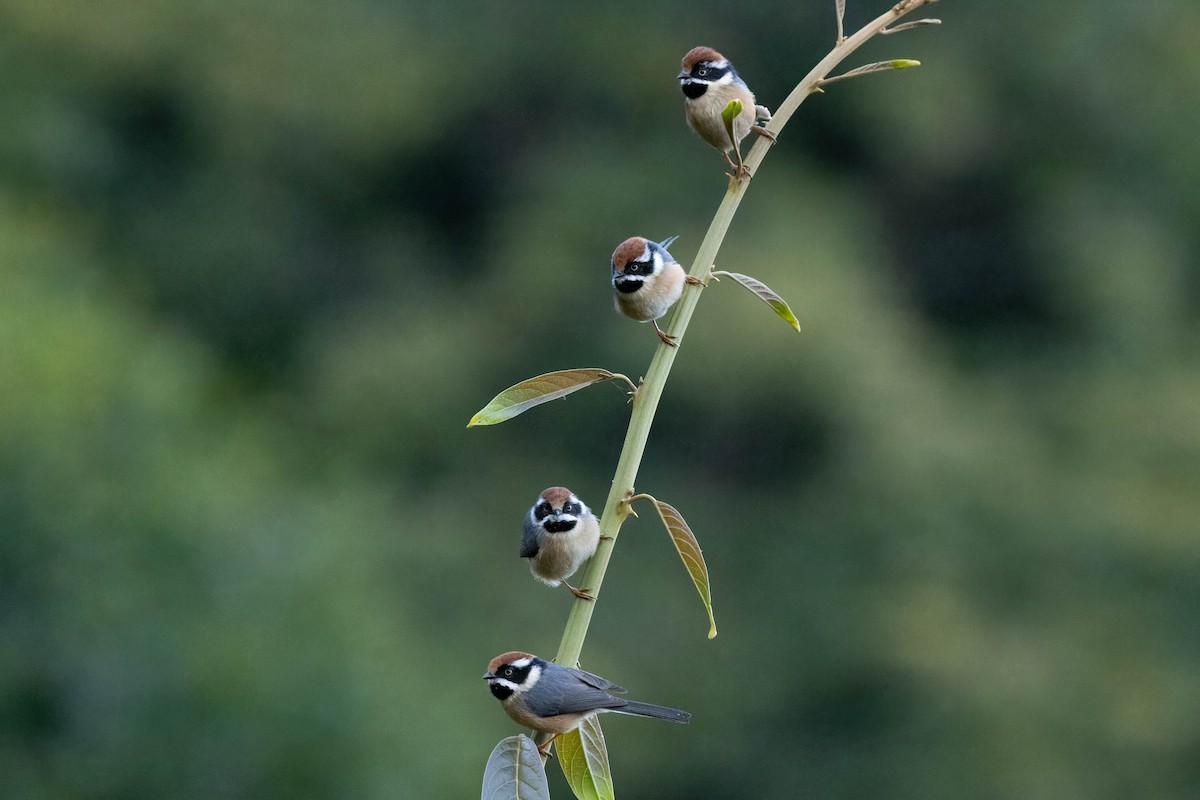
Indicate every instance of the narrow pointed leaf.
{"type": "Point", "coordinates": [693, 559]}
{"type": "Point", "coordinates": [768, 296]}
{"type": "Point", "coordinates": [584, 760]}
{"type": "Point", "coordinates": [514, 772]}
{"type": "Point", "coordinates": [916, 23]}
{"type": "Point", "coordinates": [878, 66]}
{"type": "Point", "coordinates": [535, 391]}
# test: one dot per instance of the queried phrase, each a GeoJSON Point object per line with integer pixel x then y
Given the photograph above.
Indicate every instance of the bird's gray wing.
{"type": "Point", "coordinates": [529, 538]}
{"type": "Point", "coordinates": [604, 684]}
{"type": "Point", "coordinates": [561, 691]}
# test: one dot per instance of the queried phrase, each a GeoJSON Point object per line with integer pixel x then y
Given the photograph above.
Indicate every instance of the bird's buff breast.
{"type": "Point", "coordinates": [704, 115]}
{"type": "Point", "coordinates": [560, 554]}
{"type": "Point", "coordinates": [653, 299]}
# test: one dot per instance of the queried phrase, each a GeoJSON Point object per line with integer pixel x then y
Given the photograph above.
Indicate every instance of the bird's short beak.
{"type": "Point", "coordinates": [684, 76]}
{"type": "Point", "coordinates": [487, 676]}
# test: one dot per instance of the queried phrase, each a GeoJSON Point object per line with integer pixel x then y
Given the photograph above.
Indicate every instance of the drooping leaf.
{"type": "Point", "coordinates": [596, 753]}
{"type": "Point", "coordinates": [916, 23]}
{"type": "Point", "coordinates": [514, 772]}
{"type": "Point", "coordinates": [767, 295]}
{"type": "Point", "coordinates": [535, 391]}
{"type": "Point", "coordinates": [878, 66]}
{"type": "Point", "coordinates": [584, 760]}
{"type": "Point", "coordinates": [689, 550]}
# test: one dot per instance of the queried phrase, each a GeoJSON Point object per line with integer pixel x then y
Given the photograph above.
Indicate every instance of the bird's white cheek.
{"type": "Point", "coordinates": [535, 675]}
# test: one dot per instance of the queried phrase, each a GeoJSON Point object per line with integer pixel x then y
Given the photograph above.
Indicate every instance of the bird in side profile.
{"type": "Point", "coordinates": [554, 699]}
{"type": "Point", "coordinates": [560, 533]}
{"type": "Point", "coordinates": [709, 82]}
{"type": "Point", "coordinates": [647, 281]}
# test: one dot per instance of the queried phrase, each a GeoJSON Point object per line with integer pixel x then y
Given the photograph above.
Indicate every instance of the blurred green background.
{"type": "Point", "coordinates": [261, 261]}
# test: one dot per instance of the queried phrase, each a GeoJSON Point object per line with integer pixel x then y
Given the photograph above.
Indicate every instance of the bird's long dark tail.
{"type": "Point", "coordinates": [657, 712]}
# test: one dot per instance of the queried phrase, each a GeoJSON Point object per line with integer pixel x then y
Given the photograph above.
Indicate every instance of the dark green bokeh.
{"type": "Point", "coordinates": [260, 263]}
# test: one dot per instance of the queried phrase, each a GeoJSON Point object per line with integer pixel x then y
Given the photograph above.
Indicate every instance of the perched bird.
{"type": "Point", "coordinates": [560, 533]}
{"type": "Point", "coordinates": [647, 281]}
{"type": "Point", "coordinates": [709, 82]}
{"type": "Point", "coordinates": [555, 699]}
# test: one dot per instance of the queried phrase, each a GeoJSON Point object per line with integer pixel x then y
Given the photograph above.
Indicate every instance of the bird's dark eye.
{"type": "Point", "coordinates": [508, 671]}
{"type": "Point", "coordinates": [702, 72]}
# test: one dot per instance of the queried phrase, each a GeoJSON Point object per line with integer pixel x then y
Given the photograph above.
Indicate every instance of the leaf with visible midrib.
{"type": "Point", "coordinates": [584, 760]}
{"type": "Point", "coordinates": [689, 551]}
{"type": "Point", "coordinates": [514, 772]}
{"type": "Point", "coordinates": [768, 296]}
{"type": "Point", "coordinates": [535, 391]}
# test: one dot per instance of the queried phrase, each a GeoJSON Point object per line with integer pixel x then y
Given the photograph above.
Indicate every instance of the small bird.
{"type": "Point", "coordinates": [554, 699]}
{"type": "Point", "coordinates": [560, 533]}
{"type": "Point", "coordinates": [709, 82]}
{"type": "Point", "coordinates": [647, 281]}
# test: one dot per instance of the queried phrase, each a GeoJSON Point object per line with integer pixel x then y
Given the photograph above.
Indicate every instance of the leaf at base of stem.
{"type": "Point", "coordinates": [514, 771]}
{"type": "Point", "coordinates": [584, 760]}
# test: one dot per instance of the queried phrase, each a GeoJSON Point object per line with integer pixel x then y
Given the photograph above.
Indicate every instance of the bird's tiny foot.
{"type": "Point", "coordinates": [763, 132]}
{"type": "Point", "coordinates": [582, 594]}
{"type": "Point", "coordinates": [694, 281]}
{"type": "Point", "coordinates": [606, 538]}
{"type": "Point", "coordinates": [666, 337]}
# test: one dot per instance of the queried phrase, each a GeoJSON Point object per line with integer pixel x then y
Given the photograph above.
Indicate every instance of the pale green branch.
{"type": "Point", "coordinates": [645, 402]}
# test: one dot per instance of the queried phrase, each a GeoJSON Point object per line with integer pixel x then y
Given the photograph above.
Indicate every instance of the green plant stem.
{"type": "Point", "coordinates": [645, 402]}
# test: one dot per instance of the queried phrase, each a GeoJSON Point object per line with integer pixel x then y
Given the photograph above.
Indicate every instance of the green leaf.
{"type": "Point", "coordinates": [867, 69]}
{"type": "Point", "coordinates": [731, 111]}
{"type": "Point", "coordinates": [689, 551]}
{"type": "Point", "coordinates": [584, 760]}
{"type": "Point", "coordinates": [535, 391]}
{"type": "Point", "coordinates": [514, 772]}
{"type": "Point", "coordinates": [767, 295]}
{"type": "Point", "coordinates": [729, 114]}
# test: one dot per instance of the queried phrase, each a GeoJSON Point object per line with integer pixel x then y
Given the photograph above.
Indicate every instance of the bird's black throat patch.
{"type": "Point", "coordinates": [627, 285]}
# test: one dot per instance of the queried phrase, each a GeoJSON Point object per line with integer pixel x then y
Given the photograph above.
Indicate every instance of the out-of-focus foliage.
{"type": "Point", "coordinates": [260, 262]}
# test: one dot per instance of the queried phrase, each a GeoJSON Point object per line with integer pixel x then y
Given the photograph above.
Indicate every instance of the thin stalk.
{"type": "Point", "coordinates": [645, 402]}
